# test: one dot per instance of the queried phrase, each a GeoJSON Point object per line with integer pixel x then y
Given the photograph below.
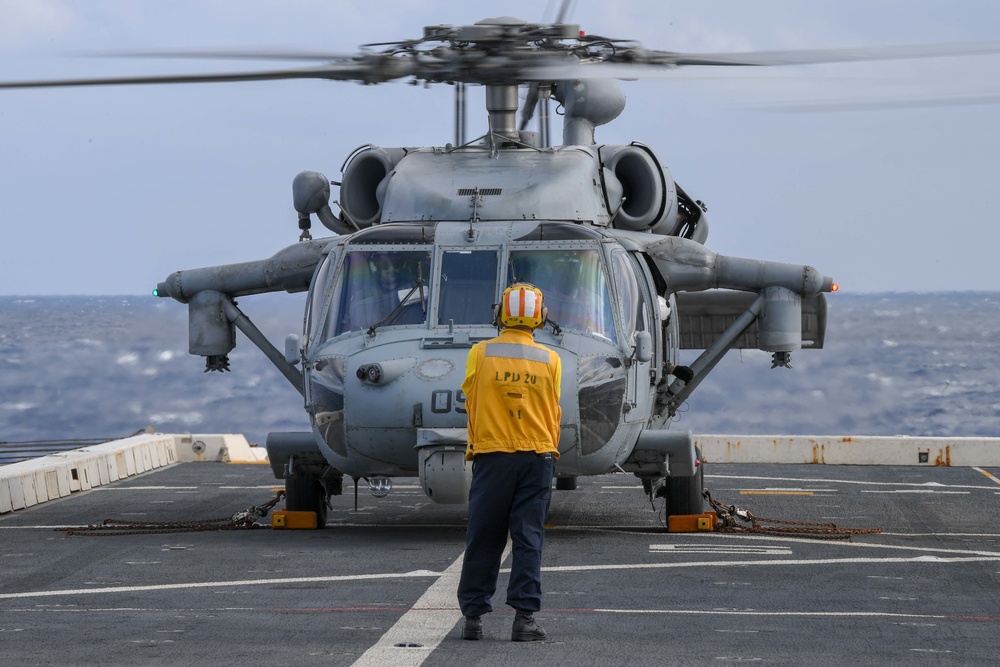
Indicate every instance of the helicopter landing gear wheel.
{"type": "Point", "coordinates": [565, 483]}
{"type": "Point", "coordinates": [684, 494]}
{"type": "Point", "coordinates": [306, 494]}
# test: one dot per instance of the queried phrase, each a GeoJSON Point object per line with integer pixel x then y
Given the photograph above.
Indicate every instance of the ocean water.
{"type": "Point", "coordinates": [892, 364]}
{"type": "Point", "coordinates": [80, 368]}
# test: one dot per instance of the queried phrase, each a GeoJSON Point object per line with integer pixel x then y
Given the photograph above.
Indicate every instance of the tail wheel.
{"type": "Point", "coordinates": [684, 494]}
{"type": "Point", "coordinates": [306, 494]}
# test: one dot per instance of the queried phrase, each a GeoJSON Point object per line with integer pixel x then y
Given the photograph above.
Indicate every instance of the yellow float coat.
{"type": "Point", "coordinates": [512, 387]}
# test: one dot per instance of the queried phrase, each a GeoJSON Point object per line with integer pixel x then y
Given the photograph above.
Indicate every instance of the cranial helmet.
{"type": "Point", "coordinates": [521, 305]}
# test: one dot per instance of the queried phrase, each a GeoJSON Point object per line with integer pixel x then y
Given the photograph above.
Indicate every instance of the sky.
{"type": "Point", "coordinates": [882, 175]}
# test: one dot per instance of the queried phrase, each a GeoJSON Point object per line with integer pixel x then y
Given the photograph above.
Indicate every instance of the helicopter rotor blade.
{"type": "Point", "coordinates": [518, 54]}
{"type": "Point", "coordinates": [637, 63]}
{"type": "Point", "coordinates": [884, 103]}
{"type": "Point", "coordinates": [227, 54]}
{"type": "Point", "coordinates": [390, 68]}
{"type": "Point", "coordinates": [820, 56]}
{"type": "Point", "coordinates": [634, 55]}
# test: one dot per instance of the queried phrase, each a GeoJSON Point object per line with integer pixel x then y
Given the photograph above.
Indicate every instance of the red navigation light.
{"type": "Point", "coordinates": [834, 287]}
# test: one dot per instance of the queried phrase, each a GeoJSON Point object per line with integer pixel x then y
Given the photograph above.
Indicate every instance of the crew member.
{"type": "Point", "coordinates": [512, 398]}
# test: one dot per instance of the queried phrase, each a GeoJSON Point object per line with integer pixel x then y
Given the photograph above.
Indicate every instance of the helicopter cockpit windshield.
{"type": "Point", "coordinates": [385, 280]}
{"type": "Point", "coordinates": [574, 284]}
{"type": "Point", "coordinates": [382, 287]}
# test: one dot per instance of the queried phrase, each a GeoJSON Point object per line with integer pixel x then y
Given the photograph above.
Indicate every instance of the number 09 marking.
{"type": "Point", "coordinates": [442, 403]}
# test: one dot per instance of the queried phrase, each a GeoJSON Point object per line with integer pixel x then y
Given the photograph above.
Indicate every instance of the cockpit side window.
{"type": "Point", "coordinates": [317, 296]}
{"type": "Point", "coordinates": [468, 286]}
{"type": "Point", "coordinates": [574, 285]}
{"type": "Point", "coordinates": [380, 287]}
{"type": "Point", "coordinates": [635, 313]}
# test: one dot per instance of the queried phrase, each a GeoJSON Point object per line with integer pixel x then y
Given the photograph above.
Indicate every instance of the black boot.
{"type": "Point", "coordinates": [525, 629]}
{"type": "Point", "coordinates": [473, 628]}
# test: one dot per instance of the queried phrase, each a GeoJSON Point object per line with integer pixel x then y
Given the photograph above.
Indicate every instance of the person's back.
{"type": "Point", "coordinates": [512, 388]}
{"type": "Point", "coordinates": [516, 374]}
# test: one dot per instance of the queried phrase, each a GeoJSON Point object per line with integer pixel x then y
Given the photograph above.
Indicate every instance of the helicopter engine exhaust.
{"type": "Point", "coordinates": [362, 191]}
{"type": "Point", "coordinates": [641, 192]}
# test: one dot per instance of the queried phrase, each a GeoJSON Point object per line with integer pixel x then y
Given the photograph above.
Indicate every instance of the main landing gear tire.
{"type": "Point", "coordinates": [565, 483]}
{"type": "Point", "coordinates": [306, 494]}
{"type": "Point", "coordinates": [684, 494]}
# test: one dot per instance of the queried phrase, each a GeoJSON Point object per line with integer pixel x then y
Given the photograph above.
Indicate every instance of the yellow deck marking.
{"type": "Point", "coordinates": [987, 474]}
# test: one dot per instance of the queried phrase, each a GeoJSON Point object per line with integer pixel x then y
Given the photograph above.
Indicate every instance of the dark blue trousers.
{"type": "Point", "coordinates": [510, 493]}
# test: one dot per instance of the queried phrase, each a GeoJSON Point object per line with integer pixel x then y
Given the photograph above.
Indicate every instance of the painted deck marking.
{"type": "Point", "coordinates": [934, 491]}
{"type": "Point", "coordinates": [994, 478]}
{"type": "Point", "coordinates": [773, 492]}
{"type": "Point", "coordinates": [800, 614]}
{"type": "Point", "coordinates": [419, 631]}
{"type": "Point", "coordinates": [217, 584]}
{"type": "Point", "coordinates": [744, 550]}
{"type": "Point", "coordinates": [861, 482]}
{"type": "Point", "coordinates": [938, 560]}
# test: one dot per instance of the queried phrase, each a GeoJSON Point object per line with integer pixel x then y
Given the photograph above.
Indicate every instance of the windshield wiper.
{"type": "Point", "coordinates": [405, 301]}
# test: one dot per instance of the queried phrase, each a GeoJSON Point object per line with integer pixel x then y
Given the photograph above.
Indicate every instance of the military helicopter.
{"type": "Point", "coordinates": [426, 239]}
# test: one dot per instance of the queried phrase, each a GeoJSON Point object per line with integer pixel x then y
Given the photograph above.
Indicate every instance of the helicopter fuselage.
{"type": "Point", "coordinates": [427, 241]}
{"type": "Point", "coordinates": [383, 388]}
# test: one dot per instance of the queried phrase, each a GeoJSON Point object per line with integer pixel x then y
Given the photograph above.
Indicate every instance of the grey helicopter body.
{"type": "Point", "coordinates": [427, 238]}
{"type": "Point", "coordinates": [603, 230]}
{"type": "Point", "coordinates": [382, 366]}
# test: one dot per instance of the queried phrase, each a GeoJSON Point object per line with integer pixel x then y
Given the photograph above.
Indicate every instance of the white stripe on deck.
{"type": "Point", "coordinates": [216, 584]}
{"type": "Point", "coordinates": [419, 631]}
